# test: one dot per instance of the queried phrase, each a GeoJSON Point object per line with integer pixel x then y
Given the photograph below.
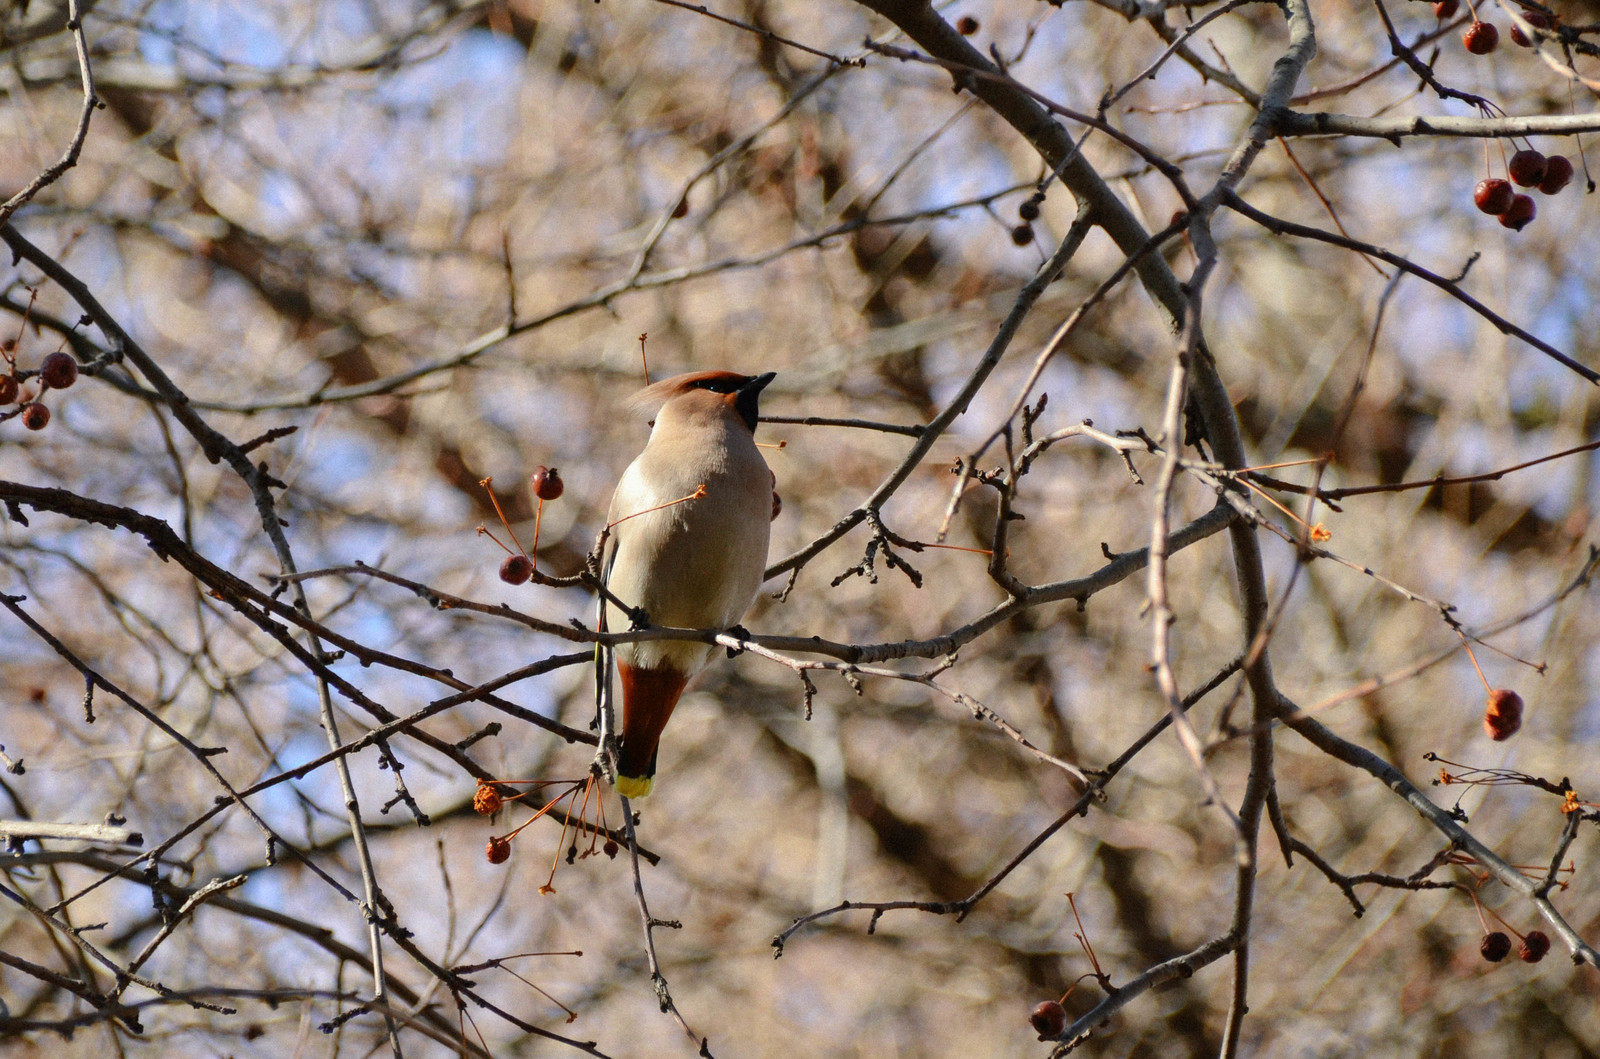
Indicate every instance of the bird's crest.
{"type": "Point", "coordinates": [653, 397]}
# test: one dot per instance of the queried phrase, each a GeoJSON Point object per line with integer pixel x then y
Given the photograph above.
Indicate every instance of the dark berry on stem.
{"type": "Point", "coordinates": [8, 388]}
{"type": "Point", "coordinates": [1494, 196]}
{"type": "Point", "coordinates": [1446, 9]}
{"type": "Point", "coordinates": [1517, 218]}
{"type": "Point", "coordinates": [1029, 210]}
{"type": "Point", "coordinates": [59, 370]}
{"type": "Point", "coordinates": [516, 569]}
{"type": "Point", "coordinates": [1536, 19]}
{"type": "Point", "coordinates": [1022, 234]}
{"type": "Point", "coordinates": [966, 25]}
{"type": "Point", "coordinates": [1534, 945]}
{"type": "Point", "coordinates": [1503, 716]}
{"type": "Point", "coordinates": [35, 416]}
{"type": "Point", "coordinates": [547, 483]}
{"type": "Point", "coordinates": [1481, 38]}
{"type": "Point", "coordinates": [1557, 174]}
{"type": "Point", "coordinates": [1495, 947]}
{"type": "Point", "coordinates": [1527, 168]}
{"type": "Point", "coordinates": [1049, 1019]}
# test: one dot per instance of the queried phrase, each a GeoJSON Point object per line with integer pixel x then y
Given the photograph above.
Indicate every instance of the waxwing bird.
{"type": "Point", "coordinates": [687, 561]}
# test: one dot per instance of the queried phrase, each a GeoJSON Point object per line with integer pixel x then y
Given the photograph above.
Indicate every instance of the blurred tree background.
{"type": "Point", "coordinates": [325, 267]}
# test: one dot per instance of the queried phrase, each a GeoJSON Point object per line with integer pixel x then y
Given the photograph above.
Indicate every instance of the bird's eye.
{"type": "Point", "coordinates": [716, 385]}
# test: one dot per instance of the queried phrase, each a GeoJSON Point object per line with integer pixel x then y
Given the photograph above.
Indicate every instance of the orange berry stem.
{"type": "Point", "coordinates": [488, 487]}
{"type": "Point", "coordinates": [538, 517]}
{"type": "Point", "coordinates": [1537, 667]}
{"type": "Point", "coordinates": [699, 491]}
{"type": "Point", "coordinates": [1083, 938]}
{"type": "Point", "coordinates": [483, 531]}
{"type": "Point", "coordinates": [1271, 500]}
{"type": "Point", "coordinates": [1473, 655]}
{"type": "Point", "coordinates": [1285, 463]}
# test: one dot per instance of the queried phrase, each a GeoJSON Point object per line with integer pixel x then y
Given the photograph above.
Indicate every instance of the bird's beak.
{"type": "Point", "coordinates": [747, 399]}
{"type": "Point", "coordinates": [757, 384]}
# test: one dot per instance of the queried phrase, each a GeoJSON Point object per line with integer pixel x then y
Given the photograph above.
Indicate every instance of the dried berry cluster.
{"type": "Point", "coordinates": [56, 372]}
{"type": "Point", "coordinates": [1481, 38]}
{"type": "Point", "coordinates": [1530, 169]}
{"type": "Point", "coordinates": [1496, 946]}
{"type": "Point", "coordinates": [1022, 234]}
{"type": "Point", "coordinates": [1527, 168]}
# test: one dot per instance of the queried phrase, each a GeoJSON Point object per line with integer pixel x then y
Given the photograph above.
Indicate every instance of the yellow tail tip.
{"type": "Point", "coordinates": [635, 786]}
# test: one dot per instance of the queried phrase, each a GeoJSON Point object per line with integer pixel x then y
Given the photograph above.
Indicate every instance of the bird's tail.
{"type": "Point", "coordinates": [648, 698]}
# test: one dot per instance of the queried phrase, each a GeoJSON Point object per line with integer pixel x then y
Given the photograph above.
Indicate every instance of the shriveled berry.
{"type": "Point", "coordinates": [1527, 167]}
{"type": "Point", "coordinates": [1495, 947]}
{"type": "Point", "coordinates": [1481, 38]}
{"type": "Point", "coordinates": [59, 370]}
{"type": "Point", "coordinates": [1557, 174]}
{"type": "Point", "coordinates": [8, 388]}
{"type": "Point", "coordinates": [35, 416]}
{"type": "Point", "coordinates": [498, 851]}
{"type": "Point", "coordinates": [1446, 9]}
{"type": "Point", "coordinates": [487, 800]}
{"type": "Point", "coordinates": [681, 210]}
{"type": "Point", "coordinates": [1022, 234]}
{"type": "Point", "coordinates": [1029, 210]}
{"type": "Point", "coordinates": [1520, 214]}
{"type": "Point", "coordinates": [1534, 945]}
{"type": "Point", "coordinates": [966, 25]}
{"type": "Point", "coordinates": [546, 483]}
{"type": "Point", "coordinates": [1536, 19]}
{"type": "Point", "coordinates": [516, 569]}
{"type": "Point", "coordinates": [1049, 1019]}
{"type": "Point", "coordinates": [1494, 195]}
{"type": "Point", "coordinates": [1503, 716]}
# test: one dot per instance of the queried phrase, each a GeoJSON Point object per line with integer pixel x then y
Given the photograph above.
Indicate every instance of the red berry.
{"type": "Point", "coordinates": [1503, 716]}
{"type": "Point", "coordinates": [59, 370]}
{"type": "Point", "coordinates": [8, 388]}
{"type": "Point", "coordinates": [516, 569]}
{"type": "Point", "coordinates": [1494, 196]}
{"type": "Point", "coordinates": [1446, 9]}
{"type": "Point", "coordinates": [1527, 167]}
{"type": "Point", "coordinates": [966, 25]}
{"type": "Point", "coordinates": [1519, 215]}
{"type": "Point", "coordinates": [498, 850]}
{"type": "Point", "coordinates": [1049, 1019]}
{"type": "Point", "coordinates": [1536, 19]}
{"type": "Point", "coordinates": [1481, 38]}
{"type": "Point", "coordinates": [35, 416]}
{"type": "Point", "coordinates": [1557, 174]}
{"type": "Point", "coordinates": [1495, 947]}
{"type": "Point", "coordinates": [546, 483]}
{"type": "Point", "coordinates": [1534, 946]}
{"type": "Point", "coordinates": [1022, 234]}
